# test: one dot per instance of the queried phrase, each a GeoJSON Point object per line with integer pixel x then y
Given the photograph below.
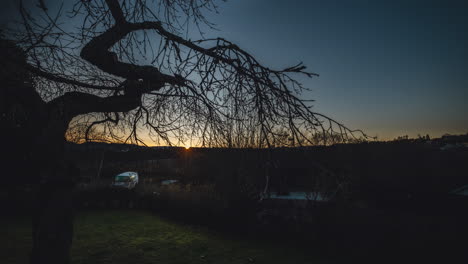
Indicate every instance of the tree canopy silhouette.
{"type": "Point", "coordinates": [127, 65]}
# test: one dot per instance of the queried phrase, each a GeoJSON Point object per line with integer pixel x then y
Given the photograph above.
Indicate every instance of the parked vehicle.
{"type": "Point", "coordinates": [127, 180]}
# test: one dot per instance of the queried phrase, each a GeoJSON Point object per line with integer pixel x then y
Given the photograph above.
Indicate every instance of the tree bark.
{"type": "Point", "coordinates": [53, 220]}
{"type": "Point", "coordinates": [53, 209]}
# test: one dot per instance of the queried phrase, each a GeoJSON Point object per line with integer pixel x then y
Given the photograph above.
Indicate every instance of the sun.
{"type": "Point", "coordinates": [187, 147]}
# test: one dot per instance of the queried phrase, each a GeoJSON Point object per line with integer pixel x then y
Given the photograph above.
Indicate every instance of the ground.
{"type": "Point", "coordinates": [126, 236]}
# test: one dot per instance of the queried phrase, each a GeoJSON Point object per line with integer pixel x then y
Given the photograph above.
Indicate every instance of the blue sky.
{"type": "Point", "coordinates": [388, 67]}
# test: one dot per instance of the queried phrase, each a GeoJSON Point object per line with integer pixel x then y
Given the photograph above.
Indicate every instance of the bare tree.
{"type": "Point", "coordinates": [129, 65]}
{"type": "Point", "coordinates": [208, 89]}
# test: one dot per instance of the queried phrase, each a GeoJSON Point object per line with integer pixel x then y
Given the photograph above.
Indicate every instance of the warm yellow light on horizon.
{"type": "Point", "coordinates": [187, 147]}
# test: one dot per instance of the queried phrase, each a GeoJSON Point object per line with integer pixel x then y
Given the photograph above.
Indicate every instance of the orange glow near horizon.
{"type": "Point", "coordinates": [381, 136]}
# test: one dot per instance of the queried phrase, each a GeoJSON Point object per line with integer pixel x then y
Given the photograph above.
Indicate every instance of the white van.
{"type": "Point", "coordinates": [127, 180]}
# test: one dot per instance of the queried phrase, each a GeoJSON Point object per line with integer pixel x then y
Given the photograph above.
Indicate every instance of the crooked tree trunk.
{"type": "Point", "coordinates": [53, 213]}
{"type": "Point", "coordinates": [33, 135]}
{"type": "Point", "coordinates": [36, 158]}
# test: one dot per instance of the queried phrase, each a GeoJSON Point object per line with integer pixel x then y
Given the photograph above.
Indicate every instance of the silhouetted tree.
{"type": "Point", "coordinates": [122, 66]}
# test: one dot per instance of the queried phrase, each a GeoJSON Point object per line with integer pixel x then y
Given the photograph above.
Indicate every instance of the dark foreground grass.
{"type": "Point", "coordinates": [124, 236]}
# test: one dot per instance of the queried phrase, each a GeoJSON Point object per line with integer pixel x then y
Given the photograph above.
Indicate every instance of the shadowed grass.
{"type": "Point", "coordinates": [124, 236]}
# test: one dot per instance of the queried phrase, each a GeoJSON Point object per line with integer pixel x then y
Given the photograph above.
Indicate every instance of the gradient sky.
{"type": "Point", "coordinates": [388, 67]}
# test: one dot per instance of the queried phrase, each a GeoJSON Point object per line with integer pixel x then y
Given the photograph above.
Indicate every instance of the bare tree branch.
{"type": "Point", "coordinates": [57, 78]}
{"type": "Point", "coordinates": [133, 53]}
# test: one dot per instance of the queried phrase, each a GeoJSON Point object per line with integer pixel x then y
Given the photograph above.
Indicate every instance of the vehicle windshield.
{"type": "Point", "coordinates": [122, 178]}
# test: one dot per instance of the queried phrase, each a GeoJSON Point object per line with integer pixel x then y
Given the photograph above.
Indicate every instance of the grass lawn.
{"type": "Point", "coordinates": [124, 236]}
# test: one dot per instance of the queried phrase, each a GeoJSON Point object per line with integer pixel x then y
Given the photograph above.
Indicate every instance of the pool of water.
{"type": "Point", "coordinates": [315, 196]}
